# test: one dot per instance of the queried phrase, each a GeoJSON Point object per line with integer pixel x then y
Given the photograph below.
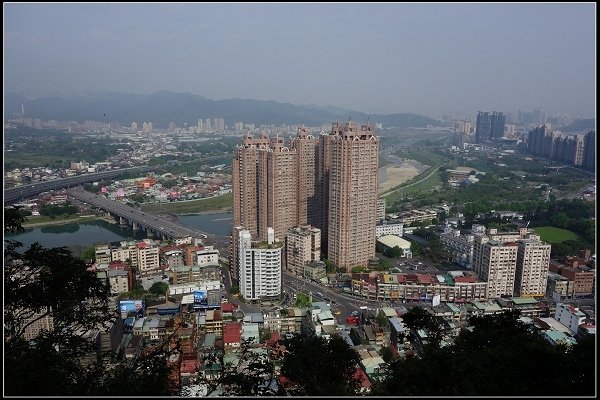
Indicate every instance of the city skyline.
{"type": "Point", "coordinates": [384, 58]}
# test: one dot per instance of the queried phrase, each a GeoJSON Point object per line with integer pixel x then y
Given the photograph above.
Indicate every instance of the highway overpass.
{"type": "Point", "coordinates": [20, 193]}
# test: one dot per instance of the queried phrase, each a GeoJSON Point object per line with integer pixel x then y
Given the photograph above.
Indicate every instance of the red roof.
{"type": "Point", "coordinates": [227, 307]}
{"type": "Point", "coordinates": [164, 249]}
{"type": "Point", "coordinates": [232, 333]}
{"type": "Point", "coordinates": [361, 376]}
{"type": "Point", "coordinates": [284, 381]}
{"type": "Point", "coordinates": [118, 265]}
{"type": "Point", "coordinates": [424, 278]}
{"type": "Point", "coordinates": [464, 279]}
{"type": "Point", "coordinates": [189, 363]}
{"type": "Point", "coordinates": [275, 337]}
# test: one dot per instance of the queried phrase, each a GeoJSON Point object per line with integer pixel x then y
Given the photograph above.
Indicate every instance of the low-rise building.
{"type": "Point", "coordinates": [315, 270]}
{"type": "Point", "coordinates": [569, 316]}
{"type": "Point", "coordinates": [416, 287]}
{"type": "Point", "coordinates": [103, 254]}
{"type": "Point", "coordinates": [195, 273]}
{"type": "Point", "coordinates": [118, 281]}
{"type": "Point", "coordinates": [386, 243]}
{"type": "Point", "coordinates": [389, 228]}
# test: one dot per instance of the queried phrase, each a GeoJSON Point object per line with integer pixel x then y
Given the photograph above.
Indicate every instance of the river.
{"type": "Point", "coordinates": [78, 236]}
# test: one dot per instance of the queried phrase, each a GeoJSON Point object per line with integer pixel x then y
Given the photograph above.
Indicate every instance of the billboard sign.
{"type": "Point", "coordinates": [207, 298]}
{"type": "Point", "coordinates": [200, 300]}
{"type": "Point", "coordinates": [136, 306]}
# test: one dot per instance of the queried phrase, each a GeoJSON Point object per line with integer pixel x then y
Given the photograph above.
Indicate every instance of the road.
{"type": "Point", "coordinates": [14, 195]}
{"type": "Point", "coordinates": [344, 303]}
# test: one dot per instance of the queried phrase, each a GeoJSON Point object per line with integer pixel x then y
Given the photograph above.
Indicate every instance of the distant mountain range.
{"type": "Point", "coordinates": [163, 107]}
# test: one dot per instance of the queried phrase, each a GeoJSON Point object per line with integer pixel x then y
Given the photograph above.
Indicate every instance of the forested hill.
{"type": "Point", "coordinates": [163, 107]}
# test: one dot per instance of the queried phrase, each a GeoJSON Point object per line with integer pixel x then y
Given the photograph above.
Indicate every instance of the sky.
{"type": "Point", "coordinates": [371, 57]}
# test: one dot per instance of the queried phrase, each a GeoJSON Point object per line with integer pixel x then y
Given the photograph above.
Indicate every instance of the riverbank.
{"type": "Point", "coordinates": [64, 221]}
{"type": "Point", "coordinates": [393, 175]}
{"type": "Point", "coordinates": [209, 205]}
{"type": "Point", "coordinates": [227, 210]}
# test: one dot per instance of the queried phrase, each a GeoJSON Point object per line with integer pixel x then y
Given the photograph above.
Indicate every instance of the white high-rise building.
{"type": "Point", "coordinates": [260, 266]}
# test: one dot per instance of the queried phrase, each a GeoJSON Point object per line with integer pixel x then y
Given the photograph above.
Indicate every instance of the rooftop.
{"type": "Point", "coordinates": [393, 241]}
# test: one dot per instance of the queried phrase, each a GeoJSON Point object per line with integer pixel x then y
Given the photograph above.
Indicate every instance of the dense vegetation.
{"type": "Point", "coordinates": [62, 361]}
{"type": "Point", "coordinates": [499, 357]}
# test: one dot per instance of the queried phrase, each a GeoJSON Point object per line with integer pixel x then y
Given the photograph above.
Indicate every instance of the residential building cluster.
{"type": "Point", "coordinates": [327, 182]}
{"type": "Point", "coordinates": [454, 286]}
{"type": "Point", "coordinates": [148, 257]}
{"type": "Point", "coordinates": [153, 189]}
{"type": "Point", "coordinates": [572, 149]}
{"type": "Point", "coordinates": [27, 175]}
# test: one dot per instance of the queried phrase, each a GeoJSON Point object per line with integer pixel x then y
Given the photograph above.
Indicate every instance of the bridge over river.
{"type": "Point", "coordinates": [162, 227]}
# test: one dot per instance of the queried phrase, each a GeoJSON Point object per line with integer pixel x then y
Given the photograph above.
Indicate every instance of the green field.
{"type": "Point", "coordinates": [43, 219]}
{"type": "Point", "coordinates": [551, 234]}
{"type": "Point", "coordinates": [220, 203]}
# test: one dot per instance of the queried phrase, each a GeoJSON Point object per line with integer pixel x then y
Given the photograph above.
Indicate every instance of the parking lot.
{"type": "Point", "coordinates": [148, 281]}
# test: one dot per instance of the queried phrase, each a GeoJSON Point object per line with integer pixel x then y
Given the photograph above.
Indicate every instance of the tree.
{"type": "Point", "coordinates": [386, 353]}
{"type": "Point", "coordinates": [329, 266]}
{"type": "Point", "coordinates": [252, 375]}
{"type": "Point", "coordinates": [419, 318]}
{"type": "Point", "coordinates": [358, 268]}
{"type": "Point", "coordinates": [382, 320]}
{"type": "Point", "coordinates": [89, 253]}
{"type": "Point", "coordinates": [235, 289]}
{"type": "Point", "coordinates": [319, 367]}
{"type": "Point", "coordinates": [415, 249]}
{"type": "Point", "coordinates": [384, 265]}
{"type": "Point", "coordinates": [395, 252]}
{"type": "Point", "coordinates": [560, 220]}
{"type": "Point", "coordinates": [302, 300]}
{"type": "Point", "coordinates": [159, 288]}
{"type": "Point", "coordinates": [13, 220]}
{"type": "Point", "coordinates": [62, 361]}
{"type": "Point", "coordinates": [495, 347]}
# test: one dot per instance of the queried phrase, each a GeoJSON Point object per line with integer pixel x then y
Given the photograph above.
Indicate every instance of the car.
{"type": "Point", "coordinates": [338, 312]}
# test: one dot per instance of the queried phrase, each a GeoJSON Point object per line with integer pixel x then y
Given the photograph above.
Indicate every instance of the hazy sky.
{"type": "Point", "coordinates": [422, 58]}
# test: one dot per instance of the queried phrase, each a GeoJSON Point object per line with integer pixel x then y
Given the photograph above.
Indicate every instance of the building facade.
{"type": "Point", "coordinates": [531, 276]}
{"type": "Point", "coordinates": [303, 245]}
{"type": "Point", "coordinates": [353, 186]}
{"type": "Point", "coordinates": [495, 262]}
{"type": "Point", "coordinates": [260, 267]}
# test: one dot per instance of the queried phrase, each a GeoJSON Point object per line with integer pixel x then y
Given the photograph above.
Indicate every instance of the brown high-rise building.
{"type": "Point", "coordinates": [353, 185]}
{"type": "Point", "coordinates": [277, 189]}
{"type": "Point", "coordinates": [306, 146]}
{"type": "Point", "coordinates": [323, 164]}
{"type": "Point", "coordinates": [265, 180]}
{"type": "Point", "coordinates": [246, 183]}
{"type": "Point", "coordinates": [329, 182]}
